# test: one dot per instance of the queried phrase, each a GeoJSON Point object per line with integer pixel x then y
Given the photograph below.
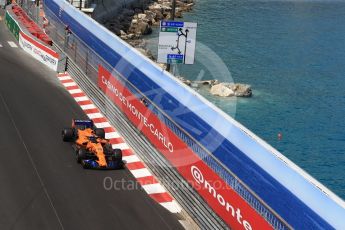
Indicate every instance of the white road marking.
{"type": "Point", "coordinates": [0, 45]}
{"type": "Point", "coordinates": [131, 159]}
{"type": "Point", "coordinates": [171, 206]}
{"type": "Point", "coordinates": [94, 115]}
{"type": "Point", "coordinates": [12, 44]}
{"type": "Point", "coordinates": [153, 188]}
{"type": "Point", "coordinates": [102, 125]}
{"type": "Point", "coordinates": [138, 173]}
{"type": "Point", "coordinates": [64, 78]}
{"type": "Point", "coordinates": [121, 146]}
{"type": "Point", "coordinates": [89, 106]}
{"type": "Point", "coordinates": [73, 91]}
{"type": "Point", "coordinates": [84, 98]}
{"type": "Point", "coordinates": [69, 84]}
{"type": "Point", "coordinates": [112, 135]}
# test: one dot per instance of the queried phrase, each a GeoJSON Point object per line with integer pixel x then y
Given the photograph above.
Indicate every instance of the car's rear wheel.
{"type": "Point", "coordinates": [80, 155]}
{"type": "Point", "coordinates": [117, 154]}
{"type": "Point", "coordinates": [68, 135]}
{"type": "Point", "coordinates": [100, 132]}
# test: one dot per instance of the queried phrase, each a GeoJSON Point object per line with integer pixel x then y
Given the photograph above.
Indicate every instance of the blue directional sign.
{"type": "Point", "coordinates": [172, 24]}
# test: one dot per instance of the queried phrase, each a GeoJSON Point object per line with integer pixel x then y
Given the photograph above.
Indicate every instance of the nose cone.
{"type": "Point", "coordinates": [100, 155]}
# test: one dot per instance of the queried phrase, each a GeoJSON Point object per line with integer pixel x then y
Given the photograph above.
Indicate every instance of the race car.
{"type": "Point", "coordinates": [92, 150]}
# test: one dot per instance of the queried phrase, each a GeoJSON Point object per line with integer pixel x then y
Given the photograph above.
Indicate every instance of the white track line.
{"type": "Point", "coordinates": [12, 44]}
{"type": "Point", "coordinates": [153, 188]}
{"type": "Point", "coordinates": [102, 125]}
{"type": "Point", "coordinates": [69, 84]}
{"type": "Point", "coordinates": [171, 206]}
{"type": "Point", "coordinates": [121, 146]}
{"type": "Point", "coordinates": [138, 173]}
{"type": "Point", "coordinates": [112, 135]}
{"type": "Point", "coordinates": [89, 106]}
{"type": "Point", "coordinates": [73, 91]}
{"type": "Point", "coordinates": [94, 115]}
{"type": "Point", "coordinates": [131, 159]}
{"type": "Point", "coordinates": [65, 78]}
{"type": "Point", "coordinates": [84, 98]}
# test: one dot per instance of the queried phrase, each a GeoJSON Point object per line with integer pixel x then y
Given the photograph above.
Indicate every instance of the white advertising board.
{"type": "Point", "coordinates": [40, 52]}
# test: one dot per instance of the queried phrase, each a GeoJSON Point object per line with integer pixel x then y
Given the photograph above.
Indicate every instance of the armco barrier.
{"type": "Point", "coordinates": [263, 180]}
{"type": "Point", "coordinates": [40, 52]}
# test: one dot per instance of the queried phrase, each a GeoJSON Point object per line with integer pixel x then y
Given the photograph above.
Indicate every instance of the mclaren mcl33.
{"type": "Point", "coordinates": [91, 148]}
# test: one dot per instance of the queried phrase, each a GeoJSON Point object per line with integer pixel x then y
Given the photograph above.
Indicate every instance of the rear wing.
{"type": "Point", "coordinates": [82, 124]}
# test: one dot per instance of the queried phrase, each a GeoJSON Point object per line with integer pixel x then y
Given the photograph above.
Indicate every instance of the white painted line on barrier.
{"type": "Point", "coordinates": [102, 125]}
{"type": "Point", "coordinates": [73, 91]}
{"type": "Point", "coordinates": [131, 159]}
{"type": "Point", "coordinates": [89, 106]}
{"type": "Point", "coordinates": [171, 206]}
{"type": "Point", "coordinates": [12, 44]}
{"type": "Point", "coordinates": [64, 78]}
{"type": "Point", "coordinates": [153, 188]}
{"type": "Point", "coordinates": [69, 84]}
{"type": "Point", "coordinates": [138, 173]}
{"type": "Point", "coordinates": [121, 146]}
{"type": "Point", "coordinates": [84, 98]}
{"type": "Point", "coordinates": [112, 135]}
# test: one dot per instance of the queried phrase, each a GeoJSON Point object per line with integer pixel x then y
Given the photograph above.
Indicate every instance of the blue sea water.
{"type": "Point", "coordinates": [292, 53]}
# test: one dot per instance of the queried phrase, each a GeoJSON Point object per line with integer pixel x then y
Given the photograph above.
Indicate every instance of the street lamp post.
{"type": "Point", "coordinates": [37, 11]}
{"type": "Point", "coordinates": [172, 18]}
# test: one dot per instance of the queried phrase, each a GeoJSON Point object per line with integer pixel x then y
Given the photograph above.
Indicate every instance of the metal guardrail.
{"type": "Point", "coordinates": [83, 64]}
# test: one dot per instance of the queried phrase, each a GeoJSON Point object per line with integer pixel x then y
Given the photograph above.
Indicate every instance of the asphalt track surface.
{"type": "Point", "coordinates": [41, 185]}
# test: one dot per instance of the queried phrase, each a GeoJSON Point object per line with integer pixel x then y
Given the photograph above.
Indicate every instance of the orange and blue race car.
{"type": "Point", "coordinates": [92, 150]}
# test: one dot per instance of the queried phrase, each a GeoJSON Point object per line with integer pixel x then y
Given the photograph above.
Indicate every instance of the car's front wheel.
{"type": "Point", "coordinates": [68, 135]}
{"type": "Point", "coordinates": [80, 155]}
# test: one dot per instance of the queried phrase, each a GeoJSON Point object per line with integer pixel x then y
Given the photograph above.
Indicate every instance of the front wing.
{"type": "Point", "coordinates": [92, 164]}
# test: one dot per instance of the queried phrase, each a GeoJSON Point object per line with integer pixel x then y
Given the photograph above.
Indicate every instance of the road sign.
{"type": "Point", "coordinates": [176, 42]}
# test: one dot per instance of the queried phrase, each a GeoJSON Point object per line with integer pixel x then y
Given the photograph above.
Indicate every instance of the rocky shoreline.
{"type": "Point", "coordinates": [221, 89]}
{"type": "Point", "coordinates": [138, 22]}
{"type": "Point", "coordinates": [141, 23]}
